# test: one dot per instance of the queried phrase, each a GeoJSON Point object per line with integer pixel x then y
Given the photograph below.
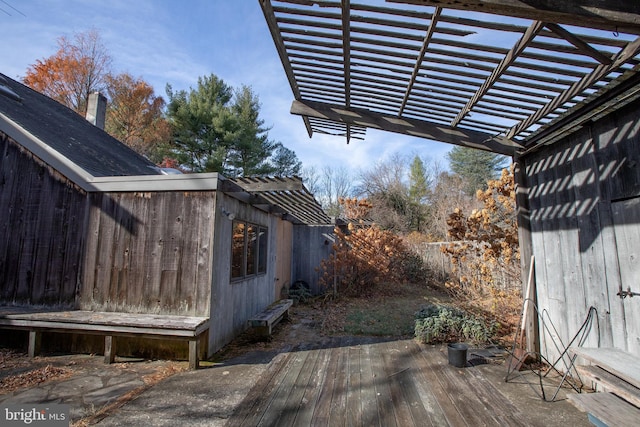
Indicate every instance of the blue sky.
{"type": "Point", "coordinates": [175, 42]}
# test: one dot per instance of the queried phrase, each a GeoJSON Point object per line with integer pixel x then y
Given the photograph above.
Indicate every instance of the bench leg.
{"type": "Point", "coordinates": [109, 349]}
{"type": "Point", "coordinates": [34, 343]}
{"type": "Point", "coordinates": [194, 353]}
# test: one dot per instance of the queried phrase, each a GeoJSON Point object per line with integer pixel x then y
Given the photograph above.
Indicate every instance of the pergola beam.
{"type": "Point", "coordinates": [599, 72]}
{"type": "Point", "coordinates": [420, 58]}
{"type": "Point", "coordinates": [406, 126]}
{"type": "Point", "coordinates": [609, 15]}
{"type": "Point", "coordinates": [582, 46]}
{"type": "Point", "coordinates": [506, 61]}
{"type": "Point", "coordinates": [346, 52]}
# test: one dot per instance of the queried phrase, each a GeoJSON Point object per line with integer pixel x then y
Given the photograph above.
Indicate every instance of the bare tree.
{"type": "Point", "coordinates": [80, 67]}
{"type": "Point", "coordinates": [331, 184]}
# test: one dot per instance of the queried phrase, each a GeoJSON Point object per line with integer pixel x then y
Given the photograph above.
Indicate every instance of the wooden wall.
{"type": "Point", "coordinates": [585, 232]}
{"type": "Point", "coordinates": [311, 244]}
{"type": "Point", "coordinates": [42, 222]}
{"type": "Point", "coordinates": [234, 302]}
{"type": "Point", "coordinates": [149, 253]}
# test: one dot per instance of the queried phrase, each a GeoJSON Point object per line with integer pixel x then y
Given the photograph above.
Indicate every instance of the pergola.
{"type": "Point", "coordinates": [499, 75]}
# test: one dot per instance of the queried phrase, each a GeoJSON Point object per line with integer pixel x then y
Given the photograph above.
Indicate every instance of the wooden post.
{"type": "Point", "coordinates": [194, 353]}
{"type": "Point", "coordinates": [34, 343]}
{"type": "Point", "coordinates": [526, 249]}
{"type": "Point", "coordinates": [109, 349]}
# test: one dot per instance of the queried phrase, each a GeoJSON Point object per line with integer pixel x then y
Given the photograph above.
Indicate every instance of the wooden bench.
{"type": "Point", "coordinates": [266, 320]}
{"type": "Point", "coordinates": [616, 375]}
{"type": "Point", "coordinates": [109, 324]}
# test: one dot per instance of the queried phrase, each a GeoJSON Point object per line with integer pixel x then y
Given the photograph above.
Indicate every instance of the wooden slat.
{"type": "Point", "coordinates": [607, 408]}
{"type": "Point", "coordinates": [323, 409]}
{"type": "Point", "coordinates": [606, 382]}
{"type": "Point", "coordinates": [255, 403]}
{"type": "Point", "coordinates": [506, 62]}
{"type": "Point", "coordinates": [618, 362]}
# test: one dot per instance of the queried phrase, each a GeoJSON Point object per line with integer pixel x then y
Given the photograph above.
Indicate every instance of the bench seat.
{"type": "Point", "coordinates": [265, 321]}
{"type": "Point", "coordinates": [109, 324]}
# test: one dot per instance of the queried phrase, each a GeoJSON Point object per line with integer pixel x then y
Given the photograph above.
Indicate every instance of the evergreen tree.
{"type": "Point", "coordinates": [285, 162]}
{"type": "Point", "coordinates": [202, 123]}
{"type": "Point", "coordinates": [418, 192]}
{"type": "Point", "coordinates": [217, 129]}
{"type": "Point", "coordinates": [476, 167]}
{"type": "Point", "coordinates": [250, 147]}
{"type": "Point", "coordinates": [418, 186]}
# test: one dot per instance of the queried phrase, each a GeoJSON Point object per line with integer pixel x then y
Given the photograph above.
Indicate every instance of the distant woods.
{"type": "Point", "coordinates": [210, 128]}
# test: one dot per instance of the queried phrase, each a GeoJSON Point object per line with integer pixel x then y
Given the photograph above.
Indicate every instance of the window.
{"type": "Point", "coordinates": [248, 249]}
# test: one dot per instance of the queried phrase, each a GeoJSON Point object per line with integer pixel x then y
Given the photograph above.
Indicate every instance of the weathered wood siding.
{"type": "Point", "coordinates": [574, 186]}
{"type": "Point", "coordinates": [234, 302]}
{"type": "Point", "coordinates": [284, 239]}
{"type": "Point", "coordinates": [42, 223]}
{"type": "Point", "coordinates": [311, 244]}
{"type": "Point", "coordinates": [149, 253]}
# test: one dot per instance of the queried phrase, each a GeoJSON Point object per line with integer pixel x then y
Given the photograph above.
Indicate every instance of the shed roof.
{"type": "Point", "coordinates": [63, 138]}
{"type": "Point", "coordinates": [489, 74]}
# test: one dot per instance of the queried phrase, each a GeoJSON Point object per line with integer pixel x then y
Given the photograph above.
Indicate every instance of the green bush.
{"type": "Point", "coordinates": [438, 323]}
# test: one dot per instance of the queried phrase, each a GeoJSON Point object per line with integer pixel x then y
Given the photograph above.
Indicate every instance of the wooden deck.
{"type": "Point", "coordinates": [394, 383]}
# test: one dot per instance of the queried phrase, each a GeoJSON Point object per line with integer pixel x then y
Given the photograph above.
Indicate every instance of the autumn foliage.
{"type": "Point", "coordinates": [135, 114]}
{"type": "Point", "coordinates": [78, 68]}
{"type": "Point", "coordinates": [485, 253]}
{"type": "Point", "coordinates": [365, 255]}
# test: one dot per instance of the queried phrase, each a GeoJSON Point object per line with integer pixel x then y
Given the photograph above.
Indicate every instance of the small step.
{"type": "Point", "coordinates": [620, 363]}
{"type": "Point", "coordinates": [604, 381]}
{"type": "Point", "coordinates": [606, 409]}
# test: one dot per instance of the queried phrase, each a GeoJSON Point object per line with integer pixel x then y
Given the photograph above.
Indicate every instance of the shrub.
{"type": "Point", "coordinates": [438, 323]}
{"type": "Point", "coordinates": [365, 255]}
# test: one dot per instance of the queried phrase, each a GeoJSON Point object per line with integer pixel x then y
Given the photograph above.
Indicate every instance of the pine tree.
{"type": "Point", "coordinates": [476, 167]}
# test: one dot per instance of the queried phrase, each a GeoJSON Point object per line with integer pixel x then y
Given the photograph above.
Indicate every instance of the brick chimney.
{"type": "Point", "coordinates": [97, 109]}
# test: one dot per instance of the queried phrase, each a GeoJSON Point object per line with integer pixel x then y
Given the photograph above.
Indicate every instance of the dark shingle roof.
{"type": "Point", "coordinates": [68, 133]}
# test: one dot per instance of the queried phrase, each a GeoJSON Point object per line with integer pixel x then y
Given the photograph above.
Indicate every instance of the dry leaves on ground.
{"type": "Point", "coordinates": [32, 378]}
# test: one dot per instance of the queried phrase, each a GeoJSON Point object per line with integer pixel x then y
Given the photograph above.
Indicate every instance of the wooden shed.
{"type": "Point", "coordinates": [89, 226]}
{"type": "Point", "coordinates": [554, 85]}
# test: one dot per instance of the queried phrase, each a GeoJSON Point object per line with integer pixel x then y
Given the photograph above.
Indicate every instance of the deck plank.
{"type": "Point", "coordinates": [278, 408]}
{"type": "Point", "coordinates": [405, 377]}
{"type": "Point", "coordinates": [354, 390]}
{"type": "Point", "coordinates": [300, 384]}
{"type": "Point", "coordinates": [395, 367]}
{"type": "Point", "coordinates": [323, 404]}
{"type": "Point", "coordinates": [314, 387]}
{"type": "Point", "coordinates": [383, 391]}
{"type": "Point", "coordinates": [338, 414]}
{"type": "Point", "coordinates": [369, 404]}
{"type": "Point", "coordinates": [257, 401]}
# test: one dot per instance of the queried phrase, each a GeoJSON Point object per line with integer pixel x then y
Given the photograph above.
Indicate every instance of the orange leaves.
{"type": "Point", "coordinates": [355, 208]}
{"type": "Point", "coordinates": [363, 256]}
{"type": "Point", "coordinates": [135, 114]}
{"type": "Point", "coordinates": [78, 68]}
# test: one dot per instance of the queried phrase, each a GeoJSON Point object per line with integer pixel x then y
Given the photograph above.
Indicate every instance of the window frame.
{"type": "Point", "coordinates": [257, 247]}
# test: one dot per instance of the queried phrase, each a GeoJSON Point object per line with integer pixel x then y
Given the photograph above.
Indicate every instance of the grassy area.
{"type": "Point", "coordinates": [388, 312]}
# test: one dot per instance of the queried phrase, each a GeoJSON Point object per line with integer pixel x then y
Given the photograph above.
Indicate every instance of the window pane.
{"type": "Point", "coordinates": [237, 249]}
{"type": "Point", "coordinates": [252, 246]}
{"type": "Point", "coordinates": [262, 250]}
